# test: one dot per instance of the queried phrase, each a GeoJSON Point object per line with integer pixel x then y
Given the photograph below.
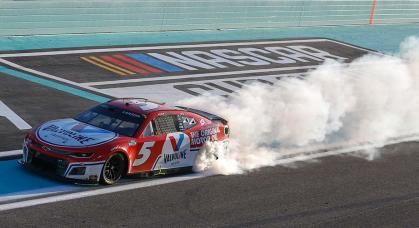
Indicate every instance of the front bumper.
{"type": "Point", "coordinates": [83, 171]}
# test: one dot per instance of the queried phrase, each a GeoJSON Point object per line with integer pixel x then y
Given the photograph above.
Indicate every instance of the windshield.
{"type": "Point", "coordinates": [112, 119]}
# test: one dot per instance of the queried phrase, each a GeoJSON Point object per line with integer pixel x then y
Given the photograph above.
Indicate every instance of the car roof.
{"type": "Point", "coordinates": [140, 105]}
{"type": "Point", "coordinates": [144, 106]}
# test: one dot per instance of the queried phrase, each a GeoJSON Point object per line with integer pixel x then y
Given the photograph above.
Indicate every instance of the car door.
{"type": "Point", "coordinates": [176, 146]}
{"type": "Point", "coordinates": [163, 145]}
{"type": "Point", "coordinates": [148, 151]}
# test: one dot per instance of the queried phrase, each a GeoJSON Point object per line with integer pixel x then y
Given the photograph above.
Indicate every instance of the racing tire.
{"type": "Point", "coordinates": [113, 169]}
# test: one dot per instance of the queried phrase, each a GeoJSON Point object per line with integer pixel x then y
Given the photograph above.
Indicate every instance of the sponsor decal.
{"type": "Point", "coordinates": [144, 105]}
{"type": "Point", "coordinates": [132, 143]}
{"type": "Point", "coordinates": [202, 136]}
{"type": "Point", "coordinates": [185, 122]}
{"type": "Point", "coordinates": [175, 148]}
{"type": "Point", "coordinates": [63, 133]}
{"type": "Point", "coordinates": [131, 114]}
{"type": "Point", "coordinates": [202, 121]}
{"type": "Point", "coordinates": [72, 133]}
{"type": "Point", "coordinates": [174, 156]}
{"type": "Point", "coordinates": [118, 148]}
{"type": "Point", "coordinates": [176, 145]}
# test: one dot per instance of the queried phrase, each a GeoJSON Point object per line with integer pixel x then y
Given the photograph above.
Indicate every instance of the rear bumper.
{"type": "Point", "coordinates": [81, 172]}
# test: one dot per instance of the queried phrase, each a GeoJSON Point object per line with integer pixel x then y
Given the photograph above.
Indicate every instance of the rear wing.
{"type": "Point", "coordinates": [204, 114]}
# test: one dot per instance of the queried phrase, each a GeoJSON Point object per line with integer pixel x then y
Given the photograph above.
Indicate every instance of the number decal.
{"type": "Point", "coordinates": [144, 153]}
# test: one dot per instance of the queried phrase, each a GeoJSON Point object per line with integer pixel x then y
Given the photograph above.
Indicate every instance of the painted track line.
{"type": "Point", "coordinates": [241, 74]}
{"type": "Point", "coordinates": [102, 191]}
{"type": "Point", "coordinates": [98, 50]}
{"type": "Point", "coordinates": [302, 156]}
{"type": "Point", "coordinates": [308, 155]}
{"type": "Point", "coordinates": [51, 83]}
{"type": "Point", "coordinates": [203, 75]}
{"type": "Point", "coordinates": [38, 193]}
{"type": "Point", "coordinates": [10, 153]}
{"type": "Point", "coordinates": [13, 117]}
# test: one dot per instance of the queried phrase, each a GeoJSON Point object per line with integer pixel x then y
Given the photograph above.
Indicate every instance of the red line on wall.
{"type": "Point", "coordinates": [138, 64]}
{"type": "Point", "coordinates": [122, 64]}
{"type": "Point", "coordinates": [374, 4]}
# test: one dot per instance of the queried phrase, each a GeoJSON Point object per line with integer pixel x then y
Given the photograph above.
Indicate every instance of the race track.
{"type": "Point", "coordinates": [340, 190]}
{"type": "Point", "coordinates": [335, 191]}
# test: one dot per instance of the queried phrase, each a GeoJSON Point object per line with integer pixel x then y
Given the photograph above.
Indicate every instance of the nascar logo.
{"type": "Point", "coordinates": [175, 71]}
{"type": "Point", "coordinates": [213, 59]}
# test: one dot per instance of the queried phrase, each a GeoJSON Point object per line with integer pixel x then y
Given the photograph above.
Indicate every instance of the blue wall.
{"type": "Point", "coordinates": [37, 17]}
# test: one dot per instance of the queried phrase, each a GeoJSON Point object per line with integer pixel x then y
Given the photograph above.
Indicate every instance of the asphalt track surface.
{"type": "Point", "coordinates": [329, 192]}
{"type": "Point", "coordinates": [333, 192]}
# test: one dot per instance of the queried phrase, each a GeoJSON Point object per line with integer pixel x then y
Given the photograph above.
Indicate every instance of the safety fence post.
{"type": "Point", "coordinates": [374, 4]}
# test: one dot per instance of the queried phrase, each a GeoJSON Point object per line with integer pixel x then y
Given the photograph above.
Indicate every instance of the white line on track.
{"type": "Point", "coordinates": [301, 156]}
{"type": "Point", "coordinates": [48, 76]}
{"type": "Point", "coordinates": [204, 75]}
{"type": "Point", "coordinates": [46, 191]}
{"type": "Point", "coordinates": [22, 196]}
{"type": "Point", "coordinates": [189, 76]}
{"type": "Point", "coordinates": [106, 190]}
{"type": "Point", "coordinates": [96, 50]}
{"type": "Point", "coordinates": [308, 155]}
{"type": "Point", "coordinates": [10, 153]}
{"type": "Point", "coordinates": [5, 111]}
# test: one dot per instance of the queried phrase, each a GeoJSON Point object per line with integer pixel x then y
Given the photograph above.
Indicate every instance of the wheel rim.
{"type": "Point", "coordinates": [113, 169]}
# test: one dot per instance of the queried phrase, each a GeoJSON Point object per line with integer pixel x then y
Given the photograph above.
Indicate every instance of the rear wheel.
{"type": "Point", "coordinates": [113, 169]}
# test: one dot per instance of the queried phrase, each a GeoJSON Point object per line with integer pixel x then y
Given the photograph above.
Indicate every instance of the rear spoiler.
{"type": "Point", "coordinates": [204, 114]}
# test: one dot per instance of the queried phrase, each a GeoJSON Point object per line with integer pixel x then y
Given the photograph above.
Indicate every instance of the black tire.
{"type": "Point", "coordinates": [113, 169]}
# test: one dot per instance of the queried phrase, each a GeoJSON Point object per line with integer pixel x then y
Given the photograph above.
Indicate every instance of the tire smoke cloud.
{"type": "Point", "coordinates": [371, 99]}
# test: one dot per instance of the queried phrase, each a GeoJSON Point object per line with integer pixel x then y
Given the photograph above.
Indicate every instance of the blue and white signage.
{"type": "Point", "coordinates": [72, 133]}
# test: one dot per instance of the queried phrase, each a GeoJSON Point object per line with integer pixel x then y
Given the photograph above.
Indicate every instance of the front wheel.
{"type": "Point", "coordinates": [113, 169]}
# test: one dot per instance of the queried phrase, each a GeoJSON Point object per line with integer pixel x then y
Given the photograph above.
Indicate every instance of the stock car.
{"type": "Point", "coordinates": [121, 137]}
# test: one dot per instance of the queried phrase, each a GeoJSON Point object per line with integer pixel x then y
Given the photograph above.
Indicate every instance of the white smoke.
{"type": "Point", "coordinates": [374, 98]}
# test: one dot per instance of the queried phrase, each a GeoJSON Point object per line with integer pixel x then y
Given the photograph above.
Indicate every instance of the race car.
{"type": "Point", "coordinates": [120, 137]}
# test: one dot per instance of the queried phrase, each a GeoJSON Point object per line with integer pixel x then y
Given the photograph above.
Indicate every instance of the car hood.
{"type": "Point", "coordinates": [73, 133]}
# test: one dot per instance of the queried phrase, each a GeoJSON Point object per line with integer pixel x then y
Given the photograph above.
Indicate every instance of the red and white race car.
{"type": "Point", "coordinates": [122, 136]}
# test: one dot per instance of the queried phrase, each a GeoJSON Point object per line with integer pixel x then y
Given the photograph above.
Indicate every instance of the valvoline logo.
{"type": "Point", "coordinates": [176, 147]}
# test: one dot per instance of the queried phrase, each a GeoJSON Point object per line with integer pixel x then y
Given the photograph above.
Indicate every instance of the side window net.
{"type": "Point", "coordinates": [165, 124]}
